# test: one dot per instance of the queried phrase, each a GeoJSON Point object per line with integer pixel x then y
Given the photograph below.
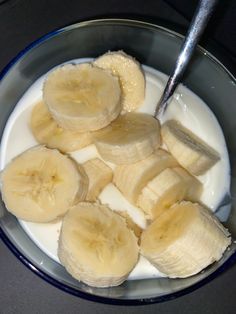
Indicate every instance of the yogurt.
{"type": "Point", "coordinates": [185, 106]}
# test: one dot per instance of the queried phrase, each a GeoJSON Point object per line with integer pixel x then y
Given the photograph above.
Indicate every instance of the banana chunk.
{"type": "Point", "coordinates": [41, 184]}
{"type": "Point", "coordinates": [82, 97]}
{"type": "Point", "coordinates": [131, 179]}
{"type": "Point", "coordinates": [130, 74]}
{"type": "Point", "coordinates": [184, 240]}
{"type": "Point", "coordinates": [96, 246]}
{"type": "Point", "coordinates": [130, 138]}
{"type": "Point", "coordinates": [47, 131]}
{"type": "Point", "coordinates": [170, 186]}
{"type": "Point", "coordinates": [99, 175]}
{"type": "Point", "coordinates": [190, 151]}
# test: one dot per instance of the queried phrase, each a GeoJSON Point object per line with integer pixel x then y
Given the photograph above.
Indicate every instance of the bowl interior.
{"type": "Point", "coordinates": [153, 46]}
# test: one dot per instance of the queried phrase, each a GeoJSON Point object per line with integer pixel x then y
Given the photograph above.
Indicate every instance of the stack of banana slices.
{"type": "Point", "coordinates": [96, 103]}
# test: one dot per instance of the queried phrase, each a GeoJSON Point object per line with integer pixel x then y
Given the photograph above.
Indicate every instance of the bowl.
{"type": "Point", "coordinates": [154, 46]}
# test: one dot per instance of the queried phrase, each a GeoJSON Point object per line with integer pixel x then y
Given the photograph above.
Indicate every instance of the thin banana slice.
{"type": "Point", "coordinates": [130, 138]}
{"type": "Point", "coordinates": [41, 184]}
{"type": "Point", "coordinates": [131, 77]}
{"type": "Point", "coordinates": [99, 175]}
{"type": "Point", "coordinates": [47, 131]}
{"type": "Point", "coordinates": [184, 240]}
{"type": "Point", "coordinates": [96, 246]}
{"type": "Point", "coordinates": [82, 97]}
{"type": "Point", "coordinates": [190, 151]}
{"type": "Point", "coordinates": [131, 179]}
{"type": "Point", "coordinates": [170, 186]}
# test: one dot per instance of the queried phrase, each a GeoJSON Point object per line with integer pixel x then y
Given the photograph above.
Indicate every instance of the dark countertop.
{"type": "Point", "coordinates": [21, 291]}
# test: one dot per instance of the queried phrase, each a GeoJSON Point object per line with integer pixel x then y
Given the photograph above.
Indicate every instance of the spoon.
{"type": "Point", "coordinates": [198, 24]}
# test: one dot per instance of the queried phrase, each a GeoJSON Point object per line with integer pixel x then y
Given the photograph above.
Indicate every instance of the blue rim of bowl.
{"type": "Point", "coordinates": [114, 301]}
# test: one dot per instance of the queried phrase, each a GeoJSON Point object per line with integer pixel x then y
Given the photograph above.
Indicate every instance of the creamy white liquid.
{"type": "Point", "coordinates": [185, 107]}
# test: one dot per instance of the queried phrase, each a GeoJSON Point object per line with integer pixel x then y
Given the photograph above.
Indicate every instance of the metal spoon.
{"type": "Point", "coordinates": [199, 22]}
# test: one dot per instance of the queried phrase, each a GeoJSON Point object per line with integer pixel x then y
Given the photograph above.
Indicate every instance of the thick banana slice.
{"type": "Point", "coordinates": [184, 240]}
{"type": "Point", "coordinates": [41, 184]}
{"type": "Point", "coordinates": [82, 97]}
{"type": "Point", "coordinates": [189, 150]}
{"type": "Point", "coordinates": [131, 179]}
{"type": "Point", "coordinates": [96, 246]}
{"type": "Point", "coordinates": [99, 175]}
{"type": "Point", "coordinates": [48, 132]}
{"type": "Point", "coordinates": [170, 186]}
{"type": "Point", "coordinates": [131, 77]}
{"type": "Point", "coordinates": [130, 138]}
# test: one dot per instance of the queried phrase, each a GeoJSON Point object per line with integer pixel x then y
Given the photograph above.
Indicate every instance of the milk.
{"type": "Point", "coordinates": [185, 106]}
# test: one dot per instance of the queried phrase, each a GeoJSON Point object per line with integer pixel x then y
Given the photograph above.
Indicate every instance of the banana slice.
{"type": "Point", "coordinates": [47, 131]}
{"type": "Point", "coordinates": [41, 184]}
{"type": "Point", "coordinates": [130, 138]}
{"type": "Point", "coordinates": [99, 175]}
{"type": "Point", "coordinates": [95, 245]}
{"type": "Point", "coordinates": [131, 179]}
{"type": "Point", "coordinates": [131, 224]}
{"type": "Point", "coordinates": [184, 240]}
{"type": "Point", "coordinates": [194, 186]}
{"type": "Point", "coordinates": [170, 186]}
{"type": "Point", "coordinates": [82, 97]}
{"type": "Point", "coordinates": [189, 150]}
{"type": "Point", "coordinates": [131, 77]}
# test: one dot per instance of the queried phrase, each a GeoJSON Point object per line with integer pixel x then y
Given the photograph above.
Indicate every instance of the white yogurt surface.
{"type": "Point", "coordinates": [186, 107]}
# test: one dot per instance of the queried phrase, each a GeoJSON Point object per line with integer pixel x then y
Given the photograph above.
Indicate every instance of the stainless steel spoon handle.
{"type": "Point", "coordinates": [199, 22]}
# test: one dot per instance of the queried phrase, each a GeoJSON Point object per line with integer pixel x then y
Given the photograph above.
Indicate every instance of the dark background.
{"type": "Point", "coordinates": [23, 21]}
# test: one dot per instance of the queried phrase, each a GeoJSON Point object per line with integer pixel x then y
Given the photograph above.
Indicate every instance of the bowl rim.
{"type": "Point", "coordinates": [30, 265]}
